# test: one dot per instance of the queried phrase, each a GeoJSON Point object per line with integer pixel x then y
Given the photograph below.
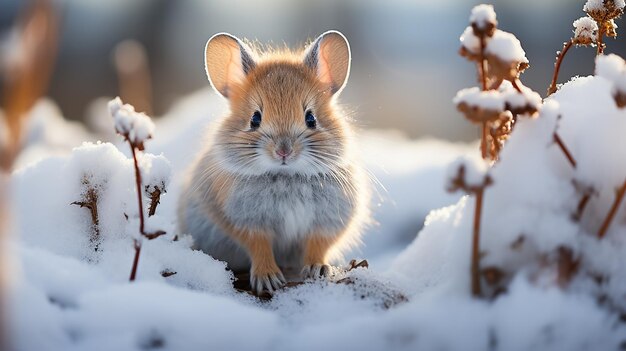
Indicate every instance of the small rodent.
{"type": "Point", "coordinates": [278, 184]}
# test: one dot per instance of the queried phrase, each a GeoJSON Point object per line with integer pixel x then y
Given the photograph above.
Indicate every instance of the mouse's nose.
{"type": "Point", "coordinates": [283, 152]}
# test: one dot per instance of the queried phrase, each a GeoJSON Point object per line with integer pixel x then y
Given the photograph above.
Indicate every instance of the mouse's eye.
{"type": "Point", "coordinates": [310, 120]}
{"type": "Point", "coordinates": [255, 120]}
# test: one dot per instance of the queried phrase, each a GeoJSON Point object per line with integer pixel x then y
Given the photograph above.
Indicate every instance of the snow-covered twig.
{"type": "Point", "coordinates": [585, 29]}
{"type": "Point", "coordinates": [604, 12]}
{"type": "Point", "coordinates": [136, 128]}
{"type": "Point", "coordinates": [557, 66]}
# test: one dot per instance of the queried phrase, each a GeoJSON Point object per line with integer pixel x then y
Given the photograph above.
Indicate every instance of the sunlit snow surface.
{"type": "Point", "coordinates": [65, 296]}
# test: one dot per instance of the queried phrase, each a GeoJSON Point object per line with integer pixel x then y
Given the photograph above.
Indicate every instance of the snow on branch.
{"type": "Point", "coordinates": [134, 126]}
{"type": "Point", "coordinates": [604, 12]}
{"type": "Point", "coordinates": [585, 31]}
{"type": "Point", "coordinates": [483, 18]}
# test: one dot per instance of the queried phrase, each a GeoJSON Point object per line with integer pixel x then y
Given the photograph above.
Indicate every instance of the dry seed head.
{"type": "Point", "coordinates": [479, 106]}
{"type": "Point", "coordinates": [483, 20]}
{"type": "Point", "coordinates": [610, 28]}
{"type": "Point", "coordinates": [585, 31]}
{"type": "Point", "coordinates": [506, 57]}
{"type": "Point", "coordinates": [604, 10]}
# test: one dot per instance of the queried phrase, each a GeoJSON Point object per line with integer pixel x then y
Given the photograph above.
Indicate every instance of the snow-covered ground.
{"type": "Point", "coordinates": [65, 295]}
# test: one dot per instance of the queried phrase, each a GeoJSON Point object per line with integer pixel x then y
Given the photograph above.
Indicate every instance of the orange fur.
{"type": "Point", "coordinates": [317, 249]}
{"type": "Point", "coordinates": [282, 86]}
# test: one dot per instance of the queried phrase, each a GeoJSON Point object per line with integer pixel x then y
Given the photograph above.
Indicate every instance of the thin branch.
{"type": "Point", "coordinates": [133, 272]}
{"type": "Point", "coordinates": [557, 66]}
{"type": "Point", "coordinates": [566, 152]}
{"type": "Point", "coordinates": [483, 140]}
{"type": "Point", "coordinates": [482, 71]}
{"type": "Point", "coordinates": [475, 265]}
{"type": "Point", "coordinates": [91, 203]}
{"type": "Point", "coordinates": [599, 42]}
{"type": "Point", "coordinates": [155, 200]}
{"type": "Point", "coordinates": [609, 216]}
{"type": "Point", "coordinates": [582, 204]}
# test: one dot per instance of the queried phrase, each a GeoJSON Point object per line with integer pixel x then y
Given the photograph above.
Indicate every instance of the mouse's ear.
{"type": "Point", "coordinates": [227, 62]}
{"type": "Point", "coordinates": [329, 56]}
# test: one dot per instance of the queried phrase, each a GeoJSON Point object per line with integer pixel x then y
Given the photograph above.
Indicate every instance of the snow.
{"type": "Point", "coordinates": [486, 100]}
{"type": "Point", "coordinates": [585, 29]}
{"type": "Point", "coordinates": [503, 45]}
{"type": "Point", "coordinates": [81, 300]}
{"type": "Point", "coordinates": [135, 125]}
{"type": "Point", "coordinates": [506, 46]}
{"type": "Point", "coordinates": [483, 15]}
{"type": "Point", "coordinates": [71, 289]}
{"type": "Point", "coordinates": [474, 172]}
{"type": "Point", "coordinates": [470, 41]}
{"type": "Point", "coordinates": [598, 5]}
{"type": "Point", "coordinates": [513, 99]}
{"type": "Point", "coordinates": [612, 68]}
{"type": "Point", "coordinates": [67, 283]}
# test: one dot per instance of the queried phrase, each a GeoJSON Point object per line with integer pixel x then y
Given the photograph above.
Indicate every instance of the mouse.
{"type": "Point", "coordinates": [278, 186]}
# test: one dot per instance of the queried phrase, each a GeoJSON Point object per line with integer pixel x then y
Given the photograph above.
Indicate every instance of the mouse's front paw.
{"type": "Point", "coordinates": [266, 281]}
{"type": "Point", "coordinates": [316, 270]}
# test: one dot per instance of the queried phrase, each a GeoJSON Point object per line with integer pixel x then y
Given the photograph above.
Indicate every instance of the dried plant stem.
{"type": "Point", "coordinates": [582, 204]}
{"type": "Point", "coordinates": [133, 272]}
{"type": "Point", "coordinates": [475, 265]}
{"type": "Point", "coordinates": [91, 203]}
{"type": "Point", "coordinates": [609, 216]}
{"type": "Point", "coordinates": [482, 71]}
{"type": "Point", "coordinates": [599, 42]}
{"type": "Point", "coordinates": [483, 140]}
{"type": "Point", "coordinates": [155, 197]}
{"type": "Point", "coordinates": [567, 266]}
{"type": "Point", "coordinates": [566, 152]}
{"type": "Point", "coordinates": [557, 66]}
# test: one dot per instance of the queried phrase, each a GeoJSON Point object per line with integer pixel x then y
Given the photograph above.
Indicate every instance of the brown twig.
{"type": "Point", "coordinates": [133, 272]}
{"type": "Point", "coordinates": [557, 66]}
{"type": "Point", "coordinates": [142, 230]}
{"type": "Point", "coordinates": [567, 266]}
{"type": "Point", "coordinates": [566, 152]}
{"type": "Point", "coordinates": [580, 209]}
{"type": "Point", "coordinates": [599, 41]}
{"type": "Point", "coordinates": [137, 243]}
{"type": "Point", "coordinates": [614, 207]}
{"type": "Point", "coordinates": [482, 71]}
{"type": "Point", "coordinates": [475, 266]}
{"type": "Point", "coordinates": [90, 202]}
{"type": "Point", "coordinates": [155, 200]}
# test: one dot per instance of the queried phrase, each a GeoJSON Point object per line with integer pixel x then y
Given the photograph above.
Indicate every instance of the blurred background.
{"type": "Point", "coordinates": [405, 63]}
